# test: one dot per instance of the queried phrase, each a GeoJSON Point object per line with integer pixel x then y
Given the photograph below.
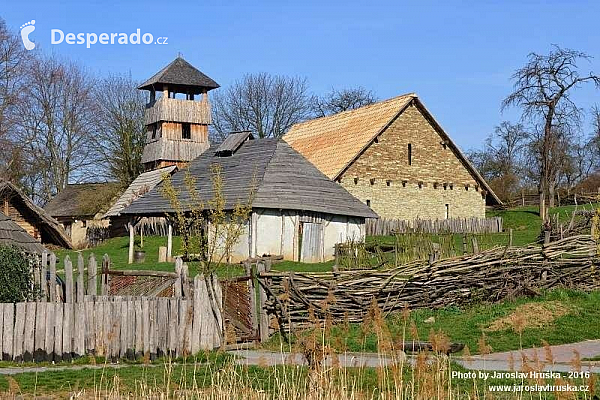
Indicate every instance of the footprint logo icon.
{"type": "Point", "coordinates": [26, 29]}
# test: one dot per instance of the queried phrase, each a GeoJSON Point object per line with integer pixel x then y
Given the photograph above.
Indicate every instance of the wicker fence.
{"type": "Point", "coordinates": [385, 226]}
{"type": "Point", "coordinates": [491, 275]}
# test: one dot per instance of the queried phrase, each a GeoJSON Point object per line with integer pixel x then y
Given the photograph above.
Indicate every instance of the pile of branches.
{"type": "Point", "coordinates": [490, 276]}
{"type": "Point", "coordinates": [580, 223]}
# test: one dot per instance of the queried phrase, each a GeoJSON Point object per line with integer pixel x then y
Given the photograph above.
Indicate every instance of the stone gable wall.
{"type": "Point", "coordinates": [435, 177]}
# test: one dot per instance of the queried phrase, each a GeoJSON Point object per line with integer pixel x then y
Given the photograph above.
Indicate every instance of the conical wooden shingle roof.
{"type": "Point", "coordinates": [177, 75]}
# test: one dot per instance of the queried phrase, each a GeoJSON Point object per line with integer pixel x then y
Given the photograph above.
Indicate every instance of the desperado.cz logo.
{"type": "Point", "coordinates": [57, 36]}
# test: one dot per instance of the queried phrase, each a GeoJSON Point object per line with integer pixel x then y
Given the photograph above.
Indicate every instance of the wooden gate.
{"type": "Point", "coordinates": [238, 310]}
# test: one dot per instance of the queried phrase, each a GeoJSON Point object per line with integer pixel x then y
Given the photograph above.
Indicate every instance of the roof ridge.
{"type": "Point", "coordinates": [377, 103]}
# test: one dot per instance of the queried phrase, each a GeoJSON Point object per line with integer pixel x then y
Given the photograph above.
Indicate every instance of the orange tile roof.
{"type": "Point", "coordinates": [332, 142]}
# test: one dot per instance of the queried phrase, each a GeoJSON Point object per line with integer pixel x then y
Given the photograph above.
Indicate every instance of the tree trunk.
{"type": "Point", "coordinates": [551, 194]}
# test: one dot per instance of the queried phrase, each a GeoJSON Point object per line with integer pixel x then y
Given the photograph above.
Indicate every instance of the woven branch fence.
{"type": "Point", "coordinates": [386, 226]}
{"type": "Point", "coordinates": [490, 275]}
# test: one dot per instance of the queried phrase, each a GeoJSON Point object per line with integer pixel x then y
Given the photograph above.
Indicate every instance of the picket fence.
{"type": "Point", "coordinates": [82, 322]}
{"type": "Point", "coordinates": [386, 226]}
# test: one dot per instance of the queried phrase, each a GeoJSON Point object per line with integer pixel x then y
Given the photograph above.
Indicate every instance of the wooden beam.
{"type": "Point", "coordinates": [131, 242]}
{"type": "Point", "coordinates": [170, 242]}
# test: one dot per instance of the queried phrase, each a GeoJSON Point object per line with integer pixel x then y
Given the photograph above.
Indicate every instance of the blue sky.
{"type": "Point", "coordinates": [457, 56]}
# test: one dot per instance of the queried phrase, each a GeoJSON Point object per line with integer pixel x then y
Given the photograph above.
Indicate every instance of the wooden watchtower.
{"type": "Point", "coordinates": [177, 115]}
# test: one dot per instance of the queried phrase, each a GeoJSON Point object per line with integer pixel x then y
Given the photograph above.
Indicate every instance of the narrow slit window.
{"type": "Point", "coordinates": [368, 203]}
{"type": "Point", "coordinates": [447, 211]}
{"type": "Point", "coordinates": [409, 154]}
{"type": "Point", "coordinates": [186, 131]}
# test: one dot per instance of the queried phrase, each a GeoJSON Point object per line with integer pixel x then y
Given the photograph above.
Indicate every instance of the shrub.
{"type": "Point", "coordinates": [16, 282]}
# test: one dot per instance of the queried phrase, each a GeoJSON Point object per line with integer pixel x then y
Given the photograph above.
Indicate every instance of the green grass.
{"type": "Point", "coordinates": [276, 381]}
{"type": "Point", "coordinates": [467, 325]}
{"type": "Point", "coordinates": [524, 221]}
{"type": "Point", "coordinates": [118, 251]}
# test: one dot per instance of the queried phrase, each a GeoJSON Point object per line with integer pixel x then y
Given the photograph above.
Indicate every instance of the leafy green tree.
{"type": "Point", "coordinates": [16, 283]}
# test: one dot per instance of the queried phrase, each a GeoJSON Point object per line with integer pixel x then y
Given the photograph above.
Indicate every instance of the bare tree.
{"type": "Point", "coordinates": [503, 158]}
{"type": "Point", "coordinates": [595, 138]}
{"type": "Point", "coordinates": [55, 126]}
{"type": "Point", "coordinates": [542, 89]}
{"type": "Point", "coordinates": [119, 127]}
{"type": "Point", "coordinates": [337, 101]}
{"type": "Point", "coordinates": [265, 104]}
{"type": "Point", "coordinates": [13, 74]}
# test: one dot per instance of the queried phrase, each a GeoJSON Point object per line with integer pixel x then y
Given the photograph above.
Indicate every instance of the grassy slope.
{"type": "Point", "coordinates": [467, 325]}
{"type": "Point", "coordinates": [524, 221]}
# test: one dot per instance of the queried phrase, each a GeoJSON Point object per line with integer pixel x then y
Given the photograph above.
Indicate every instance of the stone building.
{"type": "Point", "coordinates": [396, 158]}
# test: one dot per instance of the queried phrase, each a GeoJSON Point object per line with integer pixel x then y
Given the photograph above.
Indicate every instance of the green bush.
{"type": "Point", "coordinates": [16, 282]}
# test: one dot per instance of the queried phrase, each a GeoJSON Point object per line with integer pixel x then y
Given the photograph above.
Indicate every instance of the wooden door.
{"type": "Point", "coordinates": [312, 242]}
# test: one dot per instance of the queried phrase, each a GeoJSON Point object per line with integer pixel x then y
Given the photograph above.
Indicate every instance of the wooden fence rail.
{"type": "Point", "coordinates": [113, 327]}
{"type": "Point", "coordinates": [385, 226]}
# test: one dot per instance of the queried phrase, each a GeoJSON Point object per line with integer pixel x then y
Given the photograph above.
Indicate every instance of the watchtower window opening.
{"type": "Point", "coordinates": [447, 211]}
{"type": "Point", "coordinates": [368, 203]}
{"type": "Point", "coordinates": [186, 131]}
{"type": "Point", "coordinates": [409, 154]}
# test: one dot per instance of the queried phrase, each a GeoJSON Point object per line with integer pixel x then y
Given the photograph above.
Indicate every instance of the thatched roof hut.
{"type": "Point", "coordinates": [33, 219]}
{"type": "Point", "coordinates": [12, 234]}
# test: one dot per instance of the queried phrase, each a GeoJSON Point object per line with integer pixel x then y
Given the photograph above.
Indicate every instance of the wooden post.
{"type": "Point", "coordinates": [29, 337]}
{"type": "Point", "coordinates": [67, 334]}
{"type": "Point", "coordinates": [510, 237]}
{"type": "Point", "coordinates": [263, 317]}
{"type": "Point", "coordinates": [475, 246]}
{"type": "Point", "coordinates": [44, 283]}
{"type": "Point", "coordinates": [185, 281]}
{"type": "Point", "coordinates": [206, 318]}
{"type": "Point", "coordinates": [58, 331]}
{"type": "Point", "coordinates": [50, 328]}
{"type": "Point", "coordinates": [177, 292]}
{"type": "Point", "coordinates": [19, 331]}
{"type": "Point", "coordinates": [52, 280]}
{"type": "Point", "coordinates": [197, 319]}
{"type": "Point", "coordinates": [219, 331]}
{"type": "Point", "coordinates": [80, 285]}
{"type": "Point", "coordinates": [546, 237]}
{"type": "Point", "coordinates": [252, 290]}
{"type": "Point", "coordinates": [170, 242]}
{"type": "Point", "coordinates": [131, 242]}
{"type": "Point", "coordinates": [146, 327]}
{"type": "Point", "coordinates": [92, 272]}
{"type": "Point", "coordinates": [105, 278]}
{"type": "Point", "coordinates": [162, 254]}
{"type": "Point", "coordinates": [8, 325]}
{"type": "Point", "coordinates": [39, 327]}
{"type": "Point", "coordinates": [68, 280]}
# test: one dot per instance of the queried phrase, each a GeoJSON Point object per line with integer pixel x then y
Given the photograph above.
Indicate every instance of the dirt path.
{"type": "Point", "coordinates": [561, 358]}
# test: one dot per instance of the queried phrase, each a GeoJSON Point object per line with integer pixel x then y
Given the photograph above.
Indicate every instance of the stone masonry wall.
{"type": "Point", "coordinates": [435, 177]}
